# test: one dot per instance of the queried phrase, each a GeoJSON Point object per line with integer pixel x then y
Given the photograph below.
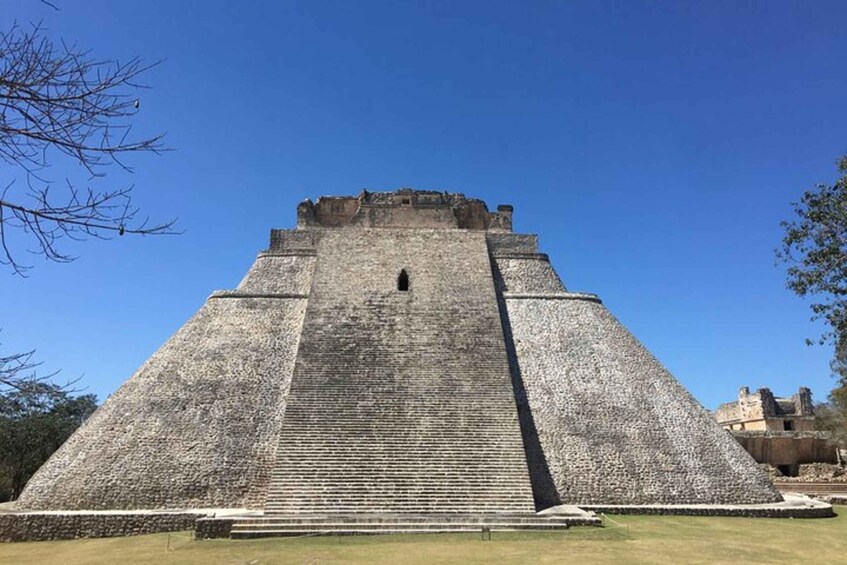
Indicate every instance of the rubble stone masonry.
{"type": "Point", "coordinates": [320, 385]}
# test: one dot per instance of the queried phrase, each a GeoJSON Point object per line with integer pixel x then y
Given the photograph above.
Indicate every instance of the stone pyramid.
{"type": "Point", "coordinates": [399, 352]}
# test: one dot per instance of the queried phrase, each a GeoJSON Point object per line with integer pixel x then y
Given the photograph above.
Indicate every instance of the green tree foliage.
{"type": "Point", "coordinates": [814, 249]}
{"type": "Point", "coordinates": [34, 422]}
{"type": "Point", "coordinates": [831, 416]}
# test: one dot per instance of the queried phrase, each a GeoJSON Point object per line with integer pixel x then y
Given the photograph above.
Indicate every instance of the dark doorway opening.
{"type": "Point", "coordinates": [403, 281]}
{"type": "Point", "coordinates": [789, 470]}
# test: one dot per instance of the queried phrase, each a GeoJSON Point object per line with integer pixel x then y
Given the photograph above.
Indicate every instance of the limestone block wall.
{"type": "Point", "coordinates": [526, 274]}
{"type": "Point", "coordinates": [614, 426]}
{"type": "Point", "coordinates": [728, 412]}
{"type": "Point", "coordinates": [401, 401]}
{"type": "Point", "coordinates": [518, 267]}
{"type": "Point", "coordinates": [788, 448]}
{"type": "Point", "coordinates": [279, 273]}
{"type": "Point", "coordinates": [61, 526]}
{"type": "Point", "coordinates": [603, 422]}
{"type": "Point", "coordinates": [197, 425]}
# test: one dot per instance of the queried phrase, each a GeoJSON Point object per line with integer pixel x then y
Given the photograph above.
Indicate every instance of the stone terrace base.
{"type": "Point", "coordinates": [44, 526]}
{"type": "Point", "coordinates": [793, 506]}
{"type": "Point", "coordinates": [364, 524]}
{"type": "Point", "coordinates": [210, 523]}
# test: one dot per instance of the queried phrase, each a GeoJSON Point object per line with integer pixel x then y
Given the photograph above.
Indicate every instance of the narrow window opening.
{"type": "Point", "coordinates": [403, 281]}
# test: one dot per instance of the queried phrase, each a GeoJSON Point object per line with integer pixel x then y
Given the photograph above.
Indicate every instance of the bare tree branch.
{"type": "Point", "coordinates": [50, 4]}
{"type": "Point", "coordinates": [58, 100]}
{"type": "Point", "coordinates": [18, 372]}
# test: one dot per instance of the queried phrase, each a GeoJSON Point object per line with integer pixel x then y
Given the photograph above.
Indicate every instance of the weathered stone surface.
{"type": "Point", "coordinates": [44, 527]}
{"type": "Point", "coordinates": [614, 426]}
{"type": "Point", "coordinates": [405, 208]}
{"type": "Point", "coordinates": [196, 426]}
{"type": "Point", "coordinates": [401, 400]}
{"type": "Point", "coordinates": [212, 528]}
{"type": "Point", "coordinates": [788, 448]}
{"type": "Point", "coordinates": [279, 274]}
{"type": "Point", "coordinates": [485, 387]}
{"type": "Point", "coordinates": [762, 411]}
{"type": "Point", "coordinates": [526, 274]}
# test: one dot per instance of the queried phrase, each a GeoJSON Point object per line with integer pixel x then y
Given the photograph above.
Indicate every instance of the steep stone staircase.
{"type": "Point", "coordinates": [401, 401]}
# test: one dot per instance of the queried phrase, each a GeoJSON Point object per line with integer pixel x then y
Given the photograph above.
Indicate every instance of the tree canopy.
{"type": "Point", "coordinates": [35, 420]}
{"type": "Point", "coordinates": [814, 249]}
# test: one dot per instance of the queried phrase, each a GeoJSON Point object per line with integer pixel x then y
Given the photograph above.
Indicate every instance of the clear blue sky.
{"type": "Point", "coordinates": [654, 147]}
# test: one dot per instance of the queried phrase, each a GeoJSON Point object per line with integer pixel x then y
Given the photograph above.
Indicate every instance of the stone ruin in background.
{"type": "Point", "coordinates": [776, 431]}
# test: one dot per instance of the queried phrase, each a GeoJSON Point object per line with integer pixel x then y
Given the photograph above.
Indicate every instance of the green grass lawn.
{"type": "Point", "coordinates": [638, 539]}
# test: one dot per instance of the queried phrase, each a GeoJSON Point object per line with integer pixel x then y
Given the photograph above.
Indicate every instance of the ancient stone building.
{"type": "Point", "coordinates": [399, 352]}
{"type": "Point", "coordinates": [762, 411]}
{"type": "Point", "coordinates": [777, 431]}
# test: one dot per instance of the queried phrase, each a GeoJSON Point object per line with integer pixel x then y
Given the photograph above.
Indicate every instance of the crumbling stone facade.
{"type": "Point", "coordinates": [762, 411]}
{"type": "Point", "coordinates": [328, 382]}
{"type": "Point", "coordinates": [777, 431]}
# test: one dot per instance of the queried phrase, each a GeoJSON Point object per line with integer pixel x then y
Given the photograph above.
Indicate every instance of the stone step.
{"type": "Point", "coordinates": [341, 493]}
{"type": "Point", "coordinates": [385, 487]}
{"type": "Point", "coordinates": [422, 472]}
{"type": "Point", "coordinates": [310, 507]}
{"type": "Point", "coordinates": [331, 524]}
{"type": "Point", "coordinates": [393, 490]}
{"type": "Point", "coordinates": [392, 498]}
{"type": "Point", "coordinates": [405, 481]}
{"type": "Point", "coordinates": [329, 504]}
{"type": "Point", "coordinates": [424, 476]}
{"type": "Point", "coordinates": [399, 448]}
{"type": "Point", "coordinates": [352, 464]}
{"type": "Point", "coordinates": [385, 530]}
{"type": "Point", "coordinates": [485, 433]}
{"type": "Point", "coordinates": [302, 499]}
{"type": "Point", "coordinates": [486, 499]}
{"type": "Point", "coordinates": [441, 518]}
{"type": "Point", "coordinates": [412, 444]}
{"type": "Point", "coordinates": [387, 483]}
{"type": "Point", "coordinates": [293, 454]}
{"type": "Point", "coordinates": [352, 531]}
{"type": "Point", "coordinates": [396, 404]}
{"type": "Point", "coordinates": [366, 507]}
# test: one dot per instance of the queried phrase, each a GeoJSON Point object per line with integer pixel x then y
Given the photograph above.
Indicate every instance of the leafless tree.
{"type": "Point", "coordinates": [59, 101]}
{"type": "Point", "coordinates": [17, 371]}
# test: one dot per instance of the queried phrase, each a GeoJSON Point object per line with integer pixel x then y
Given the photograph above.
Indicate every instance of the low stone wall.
{"type": "Point", "coordinates": [821, 511]}
{"type": "Point", "coordinates": [787, 448]}
{"type": "Point", "coordinates": [37, 526]}
{"type": "Point", "coordinates": [212, 528]}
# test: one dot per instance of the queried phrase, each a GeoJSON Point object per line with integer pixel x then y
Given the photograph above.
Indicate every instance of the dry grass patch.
{"type": "Point", "coordinates": [638, 539]}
